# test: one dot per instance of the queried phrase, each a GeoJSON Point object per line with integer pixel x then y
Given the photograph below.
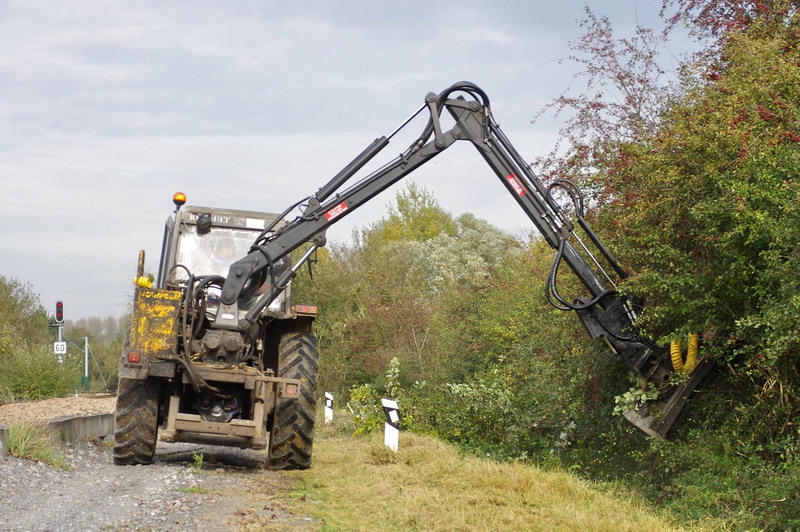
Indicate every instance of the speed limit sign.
{"type": "Point", "coordinates": [60, 348]}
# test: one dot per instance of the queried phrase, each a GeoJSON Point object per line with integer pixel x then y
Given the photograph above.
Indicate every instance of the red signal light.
{"type": "Point", "coordinates": [59, 311]}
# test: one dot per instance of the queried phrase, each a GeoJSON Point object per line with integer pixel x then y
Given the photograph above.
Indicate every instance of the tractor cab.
{"type": "Point", "coordinates": [202, 242]}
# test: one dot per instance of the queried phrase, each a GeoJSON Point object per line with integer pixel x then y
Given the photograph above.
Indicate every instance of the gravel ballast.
{"type": "Point", "coordinates": [188, 487]}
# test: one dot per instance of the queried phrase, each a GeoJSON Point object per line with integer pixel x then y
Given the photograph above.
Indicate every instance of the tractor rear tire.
{"type": "Point", "coordinates": [136, 421]}
{"type": "Point", "coordinates": [292, 434]}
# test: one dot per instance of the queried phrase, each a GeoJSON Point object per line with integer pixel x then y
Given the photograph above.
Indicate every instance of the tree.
{"type": "Point", "coordinates": [702, 204]}
{"type": "Point", "coordinates": [28, 367]}
{"type": "Point", "coordinates": [21, 314]}
{"type": "Point", "coordinates": [720, 19]}
{"type": "Point", "coordinates": [415, 216]}
{"type": "Point", "coordinates": [378, 297]}
{"type": "Point", "coordinates": [618, 96]}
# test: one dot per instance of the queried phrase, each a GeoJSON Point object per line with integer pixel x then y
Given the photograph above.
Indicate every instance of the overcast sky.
{"type": "Point", "coordinates": [110, 107]}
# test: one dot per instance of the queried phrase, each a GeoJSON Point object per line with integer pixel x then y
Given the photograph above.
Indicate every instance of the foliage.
{"type": "Point", "coordinates": [33, 372]}
{"type": "Point", "coordinates": [379, 297]}
{"type": "Point", "coordinates": [693, 185]}
{"type": "Point", "coordinates": [703, 206]}
{"type": "Point", "coordinates": [198, 461]}
{"type": "Point", "coordinates": [474, 414]}
{"type": "Point", "coordinates": [705, 209]}
{"type": "Point", "coordinates": [33, 442]}
{"type": "Point", "coordinates": [365, 404]}
{"type": "Point", "coordinates": [701, 202]}
{"type": "Point", "coordinates": [744, 489]}
{"type": "Point", "coordinates": [515, 371]}
{"type": "Point", "coordinates": [415, 216]}
{"type": "Point", "coordinates": [621, 89]}
{"type": "Point", "coordinates": [21, 313]}
{"type": "Point", "coordinates": [364, 401]}
{"type": "Point", "coordinates": [719, 19]}
{"type": "Point", "coordinates": [106, 338]}
{"type": "Point", "coordinates": [28, 367]}
{"type": "Point", "coordinates": [635, 397]}
{"type": "Point", "coordinates": [723, 467]}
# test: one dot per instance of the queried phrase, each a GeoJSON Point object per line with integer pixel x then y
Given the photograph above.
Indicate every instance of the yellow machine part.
{"type": "Point", "coordinates": [153, 320]}
{"type": "Point", "coordinates": [691, 355]}
{"type": "Point", "coordinates": [144, 281]}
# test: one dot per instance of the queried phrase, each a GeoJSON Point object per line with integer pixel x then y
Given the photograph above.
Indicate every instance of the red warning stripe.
{"type": "Point", "coordinates": [336, 211]}
{"type": "Point", "coordinates": [515, 184]}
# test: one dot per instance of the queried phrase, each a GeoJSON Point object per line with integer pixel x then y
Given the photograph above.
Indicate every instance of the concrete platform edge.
{"type": "Point", "coordinates": [73, 429]}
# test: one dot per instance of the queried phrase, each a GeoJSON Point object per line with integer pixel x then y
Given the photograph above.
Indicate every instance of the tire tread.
{"type": "Point", "coordinates": [292, 435]}
{"type": "Point", "coordinates": [136, 422]}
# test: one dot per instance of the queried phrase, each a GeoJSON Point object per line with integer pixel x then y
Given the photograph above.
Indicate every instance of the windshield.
{"type": "Point", "coordinates": [213, 252]}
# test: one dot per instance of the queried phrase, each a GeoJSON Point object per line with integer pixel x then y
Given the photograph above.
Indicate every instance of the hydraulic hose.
{"type": "Point", "coordinates": [461, 86]}
{"type": "Point", "coordinates": [691, 355]}
{"type": "Point", "coordinates": [551, 290]}
{"type": "Point", "coordinates": [557, 301]}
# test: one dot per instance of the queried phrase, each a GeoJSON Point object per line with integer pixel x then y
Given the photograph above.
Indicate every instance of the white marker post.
{"type": "Point", "coordinates": [391, 437]}
{"type": "Point", "coordinates": [328, 407]}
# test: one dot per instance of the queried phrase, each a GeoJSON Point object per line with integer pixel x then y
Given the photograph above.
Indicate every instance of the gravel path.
{"type": "Point", "coordinates": [168, 495]}
{"type": "Point", "coordinates": [231, 491]}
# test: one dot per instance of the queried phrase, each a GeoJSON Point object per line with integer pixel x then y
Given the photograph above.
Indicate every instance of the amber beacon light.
{"type": "Point", "coordinates": [179, 198]}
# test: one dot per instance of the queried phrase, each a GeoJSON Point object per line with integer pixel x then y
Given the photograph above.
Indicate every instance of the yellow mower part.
{"type": "Point", "coordinates": [144, 281]}
{"type": "Point", "coordinates": [691, 355]}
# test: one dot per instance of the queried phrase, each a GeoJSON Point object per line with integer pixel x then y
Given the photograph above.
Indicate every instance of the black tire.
{"type": "Point", "coordinates": [136, 421]}
{"type": "Point", "coordinates": [292, 433]}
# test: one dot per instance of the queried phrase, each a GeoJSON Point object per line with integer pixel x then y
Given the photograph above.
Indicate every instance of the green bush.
{"type": "Point", "coordinates": [30, 372]}
{"type": "Point", "coordinates": [28, 367]}
{"type": "Point", "coordinates": [365, 404]}
{"type": "Point", "coordinates": [723, 470]}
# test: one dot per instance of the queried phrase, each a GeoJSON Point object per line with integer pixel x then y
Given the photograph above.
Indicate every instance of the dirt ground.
{"type": "Point", "coordinates": [230, 490]}
{"type": "Point", "coordinates": [52, 408]}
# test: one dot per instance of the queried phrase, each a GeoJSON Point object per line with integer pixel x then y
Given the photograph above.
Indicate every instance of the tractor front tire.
{"type": "Point", "coordinates": [292, 434]}
{"type": "Point", "coordinates": [136, 421]}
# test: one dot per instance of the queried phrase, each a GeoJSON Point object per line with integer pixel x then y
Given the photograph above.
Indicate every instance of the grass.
{"type": "Point", "coordinates": [359, 484]}
{"type": "Point", "coordinates": [196, 490]}
{"type": "Point", "coordinates": [197, 462]}
{"type": "Point", "coordinates": [33, 442]}
{"type": "Point", "coordinates": [6, 395]}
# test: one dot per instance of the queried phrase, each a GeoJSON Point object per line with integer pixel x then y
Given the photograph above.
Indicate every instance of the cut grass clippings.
{"type": "Point", "coordinates": [356, 483]}
{"type": "Point", "coordinates": [33, 442]}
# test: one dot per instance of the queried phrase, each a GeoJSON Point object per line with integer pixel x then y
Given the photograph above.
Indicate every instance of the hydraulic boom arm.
{"type": "Point", "coordinates": [604, 313]}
